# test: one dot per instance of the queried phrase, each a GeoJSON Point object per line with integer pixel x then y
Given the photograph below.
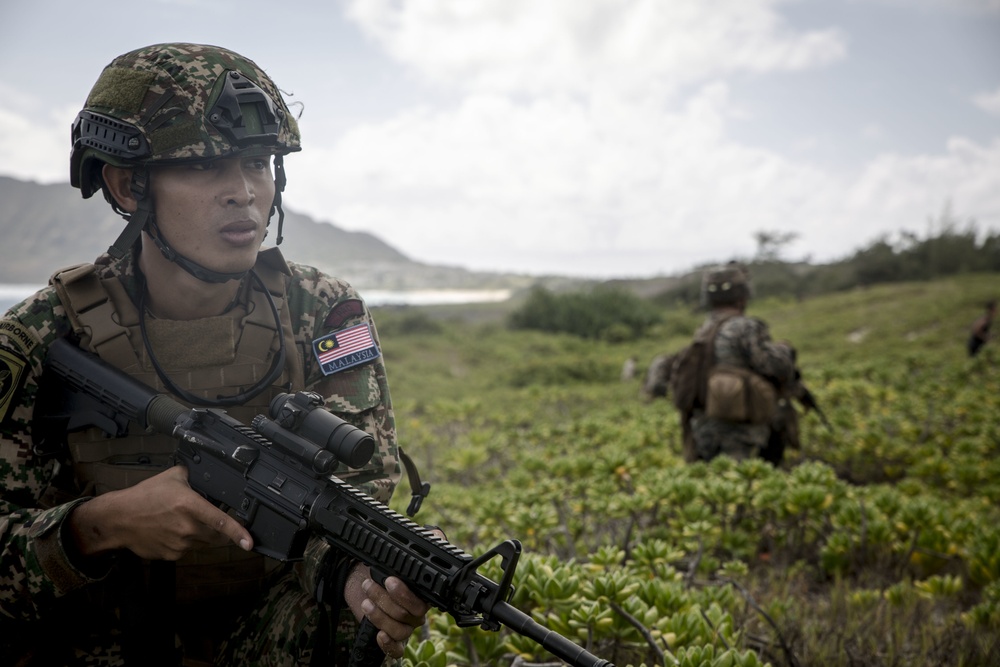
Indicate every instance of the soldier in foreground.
{"type": "Point", "coordinates": [727, 384]}
{"type": "Point", "coordinates": [108, 557]}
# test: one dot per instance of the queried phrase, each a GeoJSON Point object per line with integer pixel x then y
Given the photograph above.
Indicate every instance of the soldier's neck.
{"type": "Point", "coordinates": [174, 294]}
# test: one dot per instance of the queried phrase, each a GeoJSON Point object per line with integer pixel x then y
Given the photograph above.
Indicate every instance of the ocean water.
{"type": "Point", "coordinates": [433, 297]}
{"type": "Point", "coordinates": [11, 294]}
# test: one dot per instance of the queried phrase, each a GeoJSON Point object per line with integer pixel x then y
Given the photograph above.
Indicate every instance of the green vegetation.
{"type": "Point", "coordinates": [948, 252]}
{"type": "Point", "coordinates": [877, 544]}
{"type": "Point", "coordinates": [609, 313]}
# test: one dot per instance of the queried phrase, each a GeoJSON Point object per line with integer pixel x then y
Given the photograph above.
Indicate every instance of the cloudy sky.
{"type": "Point", "coordinates": [585, 137]}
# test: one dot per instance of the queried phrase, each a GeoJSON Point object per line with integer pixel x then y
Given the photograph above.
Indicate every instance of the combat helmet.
{"type": "Point", "coordinates": [177, 103]}
{"type": "Point", "coordinates": [725, 285]}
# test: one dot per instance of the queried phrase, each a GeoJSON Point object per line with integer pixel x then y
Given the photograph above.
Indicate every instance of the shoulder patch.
{"type": "Point", "coordinates": [345, 348]}
{"type": "Point", "coordinates": [342, 312]}
{"type": "Point", "coordinates": [20, 338]}
{"type": "Point", "coordinates": [11, 377]}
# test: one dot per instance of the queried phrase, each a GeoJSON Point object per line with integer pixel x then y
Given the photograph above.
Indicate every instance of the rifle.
{"type": "Point", "coordinates": [275, 476]}
{"type": "Point", "coordinates": [808, 401]}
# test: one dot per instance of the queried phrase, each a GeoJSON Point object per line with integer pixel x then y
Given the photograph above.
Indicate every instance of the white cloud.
{"type": "Point", "coordinates": [584, 137]}
{"type": "Point", "coordinates": [525, 46]}
{"type": "Point", "coordinates": [972, 6]}
{"type": "Point", "coordinates": [595, 182]}
{"type": "Point", "coordinates": [897, 191]}
{"type": "Point", "coordinates": [988, 102]}
{"type": "Point", "coordinates": [33, 138]}
{"type": "Point", "coordinates": [601, 186]}
{"type": "Point", "coordinates": [579, 135]}
{"type": "Point", "coordinates": [566, 140]}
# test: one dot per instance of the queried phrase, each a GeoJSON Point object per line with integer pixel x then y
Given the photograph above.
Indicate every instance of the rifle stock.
{"type": "Point", "coordinates": [278, 484]}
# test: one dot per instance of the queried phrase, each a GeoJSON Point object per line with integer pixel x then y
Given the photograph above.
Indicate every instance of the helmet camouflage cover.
{"type": "Point", "coordinates": [176, 103]}
{"type": "Point", "coordinates": [727, 284]}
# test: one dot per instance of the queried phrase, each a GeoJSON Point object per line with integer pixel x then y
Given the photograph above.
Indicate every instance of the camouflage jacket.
{"type": "Point", "coordinates": [35, 567]}
{"type": "Point", "coordinates": [744, 342]}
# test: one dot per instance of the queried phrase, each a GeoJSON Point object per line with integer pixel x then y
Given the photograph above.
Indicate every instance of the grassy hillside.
{"type": "Point", "coordinates": [877, 544]}
{"type": "Point", "coordinates": [433, 351]}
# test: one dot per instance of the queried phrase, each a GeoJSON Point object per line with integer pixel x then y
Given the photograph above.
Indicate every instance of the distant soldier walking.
{"type": "Point", "coordinates": [727, 384]}
{"type": "Point", "coordinates": [657, 380]}
{"type": "Point", "coordinates": [980, 330]}
{"type": "Point", "coordinates": [628, 370]}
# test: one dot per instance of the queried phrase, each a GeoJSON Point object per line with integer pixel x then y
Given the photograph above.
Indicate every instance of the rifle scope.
{"type": "Point", "coordinates": [302, 414]}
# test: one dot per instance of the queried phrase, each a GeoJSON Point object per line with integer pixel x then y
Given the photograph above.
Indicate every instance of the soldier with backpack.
{"type": "Point", "coordinates": [728, 382]}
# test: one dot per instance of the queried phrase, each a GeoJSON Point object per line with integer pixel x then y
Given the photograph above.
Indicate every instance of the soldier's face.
{"type": "Point", "coordinates": [215, 213]}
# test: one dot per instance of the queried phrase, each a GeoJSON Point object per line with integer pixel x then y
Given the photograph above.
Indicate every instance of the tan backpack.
{"type": "Point", "coordinates": [725, 392]}
{"type": "Point", "coordinates": [739, 395]}
{"type": "Point", "coordinates": [689, 376]}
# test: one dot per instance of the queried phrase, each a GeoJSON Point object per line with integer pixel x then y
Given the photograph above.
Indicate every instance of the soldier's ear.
{"type": "Point", "coordinates": [119, 184]}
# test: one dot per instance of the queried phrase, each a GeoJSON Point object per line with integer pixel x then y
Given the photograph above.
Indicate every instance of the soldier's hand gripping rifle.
{"type": "Point", "coordinates": [275, 475]}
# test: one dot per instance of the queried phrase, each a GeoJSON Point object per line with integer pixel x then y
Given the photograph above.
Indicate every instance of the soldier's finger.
{"type": "Point", "coordinates": [406, 599]}
{"type": "Point", "coordinates": [224, 524]}
{"type": "Point", "coordinates": [388, 616]}
{"type": "Point", "coordinates": [392, 648]}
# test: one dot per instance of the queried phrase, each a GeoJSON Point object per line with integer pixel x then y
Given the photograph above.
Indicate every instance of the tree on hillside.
{"type": "Point", "coordinates": [770, 244]}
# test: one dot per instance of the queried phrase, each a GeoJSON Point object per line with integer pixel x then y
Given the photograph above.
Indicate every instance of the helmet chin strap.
{"type": "Point", "coordinates": [137, 219]}
{"type": "Point", "coordinates": [197, 270]}
{"type": "Point", "coordinates": [279, 186]}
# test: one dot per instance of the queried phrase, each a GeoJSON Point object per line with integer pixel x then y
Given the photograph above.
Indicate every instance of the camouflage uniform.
{"type": "Point", "coordinates": [657, 381]}
{"type": "Point", "coordinates": [168, 105]}
{"type": "Point", "coordinates": [44, 586]}
{"type": "Point", "coordinates": [744, 342]}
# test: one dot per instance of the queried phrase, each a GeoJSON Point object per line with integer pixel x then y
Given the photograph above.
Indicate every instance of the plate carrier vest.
{"type": "Point", "coordinates": [207, 357]}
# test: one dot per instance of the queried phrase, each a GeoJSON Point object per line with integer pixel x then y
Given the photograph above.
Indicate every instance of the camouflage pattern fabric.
{"type": "Point", "coordinates": [289, 628]}
{"type": "Point", "coordinates": [167, 91]}
{"type": "Point", "coordinates": [656, 384]}
{"type": "Point", "coordinates": [744, 342]}
{"type": "Point", "coordinates": [43, 584]}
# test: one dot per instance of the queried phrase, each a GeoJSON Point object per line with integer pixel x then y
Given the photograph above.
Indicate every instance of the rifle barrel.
{"type": "Point", "coordinates": [551, 641]}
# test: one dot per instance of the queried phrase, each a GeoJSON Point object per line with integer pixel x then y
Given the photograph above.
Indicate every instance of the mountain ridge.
{"type": "Point", "coordinates": [49, 226]}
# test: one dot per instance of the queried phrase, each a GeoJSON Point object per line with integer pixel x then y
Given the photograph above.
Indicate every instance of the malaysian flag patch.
{"type": "Point", "coordinates": [345, 348]}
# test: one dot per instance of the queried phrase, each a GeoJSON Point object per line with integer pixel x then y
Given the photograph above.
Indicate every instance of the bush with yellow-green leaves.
{"type": "Point", "coordinates": [878, 543]}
